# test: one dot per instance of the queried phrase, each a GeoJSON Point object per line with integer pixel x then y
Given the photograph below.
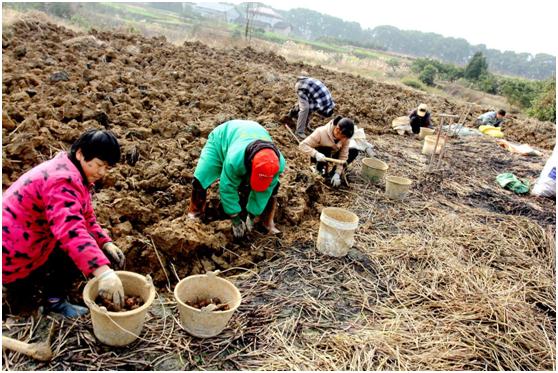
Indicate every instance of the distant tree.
{"type": "Point", "coordinates": [519, 92]}
{"type": "Point", "coordinates": [393, 63]}
{"type": "Point", "coordinates": [544, 105]}
{"type": "Point", "coordinates": [428, 75]}
{"type": "Point", "coordinates": [476, 67]}
{"type": "Point", "coordinates": [488, 83]}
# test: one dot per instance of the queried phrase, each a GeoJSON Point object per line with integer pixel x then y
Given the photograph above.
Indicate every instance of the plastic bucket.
{"type": "Point", "coordinates": [120, 328]}
{"type": "Point", "coordinates": [430, 142]}
{"type": "Point", "coordinates": [425, 131]}
{"type": "Point", "coordinates": [205, 323]}
{"type": "Point", "coordinates": [337, 230]}
{"type": "Point", "coordinates": [373, 169]}
{"type": "Point", "coordinates": [397, 187]}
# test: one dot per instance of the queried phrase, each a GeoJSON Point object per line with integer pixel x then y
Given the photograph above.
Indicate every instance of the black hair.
{"type": "Point", "coordinates": [100, 144]}
{"type": "Point", "coordinates": [502, 112]}
{"type": "Point", "coordinates": [346, 126]}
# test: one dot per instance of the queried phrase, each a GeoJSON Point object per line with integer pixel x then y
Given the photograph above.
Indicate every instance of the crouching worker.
{"type": "Point", "coordinates": [49, 227]}
{"type": "Point", "coordinates": [420, 117]}
{"type": "Point", "coordinates": [241, 154]}
{"type": "Point", "coordinates": [331, 140]}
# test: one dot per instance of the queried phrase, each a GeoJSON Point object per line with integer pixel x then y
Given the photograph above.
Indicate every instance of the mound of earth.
{"type": "Point", "coordinates": [162, 101]}
{"type": "Point", "coordinates": [459, 276]}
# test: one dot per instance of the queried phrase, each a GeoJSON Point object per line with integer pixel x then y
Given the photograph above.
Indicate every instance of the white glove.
{"type": "Point", "coordinates": [249, 223]}
{"type": "Point", "coordinates": [370, 152]}
{"type": "Point", "coordinates": [320, 157]}
{"type": "Point", "coordinates": [115, 255]}
{"type": "Point", "coordinates": [110, 288]}
{"type": "Point", "coordinates": [336, 180]}
{"type": "Point", "coordinates": [238, 227]}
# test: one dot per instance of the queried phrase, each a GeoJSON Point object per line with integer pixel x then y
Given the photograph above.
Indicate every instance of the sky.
{"type": "Point", "coordinates": [516, 25]}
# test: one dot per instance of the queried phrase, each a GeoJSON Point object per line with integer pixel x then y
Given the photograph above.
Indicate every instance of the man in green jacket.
{"type": "Point", "coordinates": [239, 153]}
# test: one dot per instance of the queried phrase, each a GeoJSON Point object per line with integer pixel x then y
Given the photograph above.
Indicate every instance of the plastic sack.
{"type": "Point", "coordinates": [545, 186]}
{"type": "Point", "coordinates": [491, 131]}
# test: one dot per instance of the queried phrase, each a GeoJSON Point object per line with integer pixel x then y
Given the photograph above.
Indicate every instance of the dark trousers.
{"type": "Point", "coordinates": [55, 278]}
{"type": "Point", "coordinates": [320, 166]}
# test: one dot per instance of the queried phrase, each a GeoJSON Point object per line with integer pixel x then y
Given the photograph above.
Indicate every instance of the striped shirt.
{"type": "Point", "coordinates": [316, 93]}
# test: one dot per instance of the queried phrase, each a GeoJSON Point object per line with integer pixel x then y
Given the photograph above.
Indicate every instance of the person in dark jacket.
{"type": "Point", "coordinates": [420, 117]}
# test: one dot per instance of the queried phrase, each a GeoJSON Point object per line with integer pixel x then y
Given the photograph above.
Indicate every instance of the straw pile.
{"type": "Point", "coordinates": [431, 284]}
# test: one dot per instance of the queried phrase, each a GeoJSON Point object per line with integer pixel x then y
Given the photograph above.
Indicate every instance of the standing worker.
{"type": "Point", "coordinates": [48, 219]}
{"type": "Point", "coordinates": [313, 96]}
{"type": "Point", "coordinates": [420, 117]}
{"type": "Point", "coordinates": [331, 140]}
{"type": "Point", "coordinates": [242, 155]}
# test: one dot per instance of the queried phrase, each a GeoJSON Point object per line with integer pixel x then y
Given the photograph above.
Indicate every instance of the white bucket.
{"type": "Point", "coordinates": [425, 131]}
{"type": "Point", "coordinates": [397, 187]}
{"type": "Point", "coordinates": [430, 142]}
{"type": "Point", "coordinates": [205, 323]}
{"type": "Point", "coordinates": [120, 328]}
{"type": "Point", "coordinates": [337, 230]}
{"type": "Point", "coordinates": [373, 169]}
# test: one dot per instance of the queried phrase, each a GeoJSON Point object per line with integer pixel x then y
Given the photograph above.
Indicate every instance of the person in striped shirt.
{"type": "Point", "coordinates": [313, 96]}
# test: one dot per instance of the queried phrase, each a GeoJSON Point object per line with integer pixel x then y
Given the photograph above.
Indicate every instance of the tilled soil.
{"type": "Point", "coordinates": [162, 101]}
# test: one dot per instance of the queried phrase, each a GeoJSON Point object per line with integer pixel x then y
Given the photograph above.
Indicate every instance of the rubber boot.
{"type": "Point", "coordinates": [197, 200]}
{"type": "Point", "coordinates": [66, 309]}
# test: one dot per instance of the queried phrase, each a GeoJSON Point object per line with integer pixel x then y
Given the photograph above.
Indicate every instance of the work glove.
{"type": "Point", "coordinates": [320, 157]}
{"type": "Point", "coordinates": [249, 223]}
{"type": "Point", "coordinates": [238, 227]}
{"type": "Point", "coordinates": [110, 288]}
{"type": "Point", "coordinates": [370, 152]}
{"type": "Point", "coordinates": [114, 254]}
{"type": "Point", "coordinates": [336, 180]}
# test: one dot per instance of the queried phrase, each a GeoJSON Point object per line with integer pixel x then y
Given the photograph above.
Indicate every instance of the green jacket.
{"type": "Point", "coordinates": [222, 158]}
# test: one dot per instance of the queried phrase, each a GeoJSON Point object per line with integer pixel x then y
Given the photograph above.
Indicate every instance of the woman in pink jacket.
{"type": "Point", "coordinates": [47, 217]}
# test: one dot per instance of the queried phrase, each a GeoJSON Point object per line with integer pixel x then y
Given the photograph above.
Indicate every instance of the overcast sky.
{"type": "Point", "coordinates": [516, 25]}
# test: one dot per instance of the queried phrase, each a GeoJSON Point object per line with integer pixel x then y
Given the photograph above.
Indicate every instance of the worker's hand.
{"type": "Point", "coordinates": [238, 227]}
{"type": "Point", "coordinates": [249, 223]}
{"type": "Point", "coordinates": [320, 157]}
{"type": "Point", "coordinates": [110, 288]}
{"type": "Point", "coordinates": [114, 254]}
{"type": "Point", "coordinates": [370, 152]}
{"type": "Point", "coordinates": [336, 180]}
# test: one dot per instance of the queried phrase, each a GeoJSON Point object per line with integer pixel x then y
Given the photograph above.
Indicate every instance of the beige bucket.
{"type": "Point", "coordinates": [430, 142]}
{"type": "Point", "coordinates": [120, 328]}
{"type": "Point", "coordinates": [337, 230]}
{"type": "Point", "coordinates": [397, 187]}
{"type": "Point", "coordinates": [425, 131]}
{"type": "Point", "coordinates": [202, 323]}
{"type": "Point", "coordinates": [373, 169]}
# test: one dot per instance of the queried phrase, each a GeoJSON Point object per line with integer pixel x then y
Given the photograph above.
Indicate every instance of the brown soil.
{"type": "Point", "coordinates": [162, 101]}
{"type": "Point", "coordinates": [130, 303]}
{"type": "Point", "coordinates": [460, 276]}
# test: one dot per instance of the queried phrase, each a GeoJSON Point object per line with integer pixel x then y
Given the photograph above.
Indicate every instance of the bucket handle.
{"type": "Point", "coordinates": [212, 274]}
{"type": "Point", "coordinates": [104, 310]}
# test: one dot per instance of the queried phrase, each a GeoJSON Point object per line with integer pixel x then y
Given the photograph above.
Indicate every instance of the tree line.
{"type": "Point", "coordinates": [314, 25]}
{"type": "Point", "coordinates": [537, 98]}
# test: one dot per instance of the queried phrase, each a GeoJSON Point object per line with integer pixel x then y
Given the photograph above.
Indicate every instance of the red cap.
{"type": "Point", "coordinates": [265, 166]}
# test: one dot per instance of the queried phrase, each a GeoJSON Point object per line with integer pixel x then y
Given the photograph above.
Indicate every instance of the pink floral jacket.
{"type": "Point", "coordinates": [49, 207]}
